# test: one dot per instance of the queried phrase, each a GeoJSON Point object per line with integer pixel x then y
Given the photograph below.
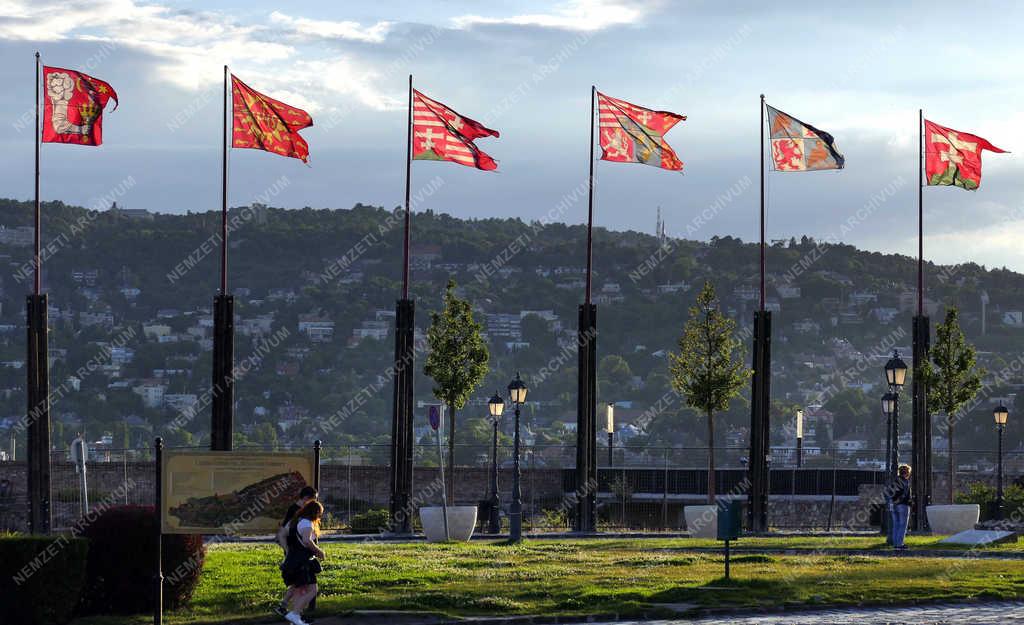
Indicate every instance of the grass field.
{"type": "Point", "coordinates": [627, 577]}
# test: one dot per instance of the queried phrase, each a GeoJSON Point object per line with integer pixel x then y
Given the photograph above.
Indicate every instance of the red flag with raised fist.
{"type": "Point", "coordinates": [441, 134]}
{"type": "Point", "coordinates": [263, 123]}
{"type": "Point", "coordinates": [634, 134]}
{"type": "Point", "coordinates": [73, 106]}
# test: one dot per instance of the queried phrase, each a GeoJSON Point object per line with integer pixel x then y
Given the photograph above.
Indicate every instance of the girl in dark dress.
{"type": "Point", "coordinates": [301, 565]}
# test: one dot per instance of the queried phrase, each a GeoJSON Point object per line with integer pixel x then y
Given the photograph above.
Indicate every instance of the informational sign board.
{"type": "Point", "coordinates": [230, 492]}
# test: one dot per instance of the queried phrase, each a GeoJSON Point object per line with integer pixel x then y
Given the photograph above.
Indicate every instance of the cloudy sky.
{"type": "Point", "coordinates": [860, 71]}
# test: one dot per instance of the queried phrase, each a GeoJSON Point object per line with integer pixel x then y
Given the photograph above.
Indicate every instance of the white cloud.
{"type": "Point", "coordinates": [588, 15]}
{"type": "Point", "coordinates": [328, 29]}
{"type": "Point", "coordinates": [190, 47]}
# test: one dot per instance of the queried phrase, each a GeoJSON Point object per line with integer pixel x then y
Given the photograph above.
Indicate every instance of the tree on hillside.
{"type": "Point", "coordinates": [952, 379]}
{"type": "Point", "coordinates": [457, 362]}
{"type": "Point", "coordinates": [706, 371]}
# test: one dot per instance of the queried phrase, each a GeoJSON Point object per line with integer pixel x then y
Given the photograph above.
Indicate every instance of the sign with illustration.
{"type": "Point", "coordinates": [230, 492]}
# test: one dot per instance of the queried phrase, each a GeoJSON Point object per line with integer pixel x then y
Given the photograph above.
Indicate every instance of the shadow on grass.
{"type": "Point", "coordinates": [735, 591]}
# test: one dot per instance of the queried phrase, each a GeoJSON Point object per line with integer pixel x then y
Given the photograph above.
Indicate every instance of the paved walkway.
{"type": "Point", "coordinates": [951, 614]}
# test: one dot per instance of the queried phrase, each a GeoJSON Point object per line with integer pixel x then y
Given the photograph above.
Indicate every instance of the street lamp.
{"type": "Point", "coordinates": [890, 406]}
{"type": "Point", "coordinates": [896, 377]}
{"type": "Point", "coordinates": [1000, 413]}
{"type": "Point", "coordinates": [896, 370]}
{"type": "Point", "coordinates": [495, 406]}
{"type": "Point", "coordinates": [610, 428]}
{"type": "Point", "coordinates": [799, 438]}
{"type": "Point", "coordinates": [517, 395]}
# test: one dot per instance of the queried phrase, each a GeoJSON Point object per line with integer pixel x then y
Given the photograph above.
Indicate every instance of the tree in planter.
{"type": "Point", "coordinates": [457, 362]}
{"type": "Point", "coordinates": [705, 371]}
{"type": "Point", "coordinates": [952, 379]}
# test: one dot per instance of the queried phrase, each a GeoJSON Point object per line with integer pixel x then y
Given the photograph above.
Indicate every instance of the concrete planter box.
{"type": "Point", "coordinates": [701, 521]}
{"type": "Point", "coordinates": [953, 519]}
{"type": "Point", "coordinates": [461, 522]}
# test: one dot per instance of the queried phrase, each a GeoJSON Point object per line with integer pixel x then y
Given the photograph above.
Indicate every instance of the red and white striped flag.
{"type": "Point", "coordinates": [634, 134]}
{"type": "Point", "coordinates": [441, 134]}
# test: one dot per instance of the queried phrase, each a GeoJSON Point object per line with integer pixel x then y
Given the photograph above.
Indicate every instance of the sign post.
{"type": "Point", "coordinates": [436, 416]}
{"type": "Point", "coordinates": [730, 525]}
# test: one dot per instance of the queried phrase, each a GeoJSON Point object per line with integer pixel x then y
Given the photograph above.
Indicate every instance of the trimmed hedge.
{"type": "Point", "coordinates": [122, 552]}
{"type": "Point", "coordinates": [41, 578]}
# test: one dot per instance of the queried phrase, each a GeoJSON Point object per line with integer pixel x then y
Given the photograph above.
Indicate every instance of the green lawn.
{"type": "Point", "coordinates": [629, 577]}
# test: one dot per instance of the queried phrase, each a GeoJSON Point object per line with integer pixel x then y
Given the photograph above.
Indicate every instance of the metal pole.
{"type": "Point", "coordinates": [494, 525]}
{"type": "Point", "coordinates": [317, 448]}
{"type": "Point", "coordinates": [158, 578]}
{"type": "Point", "coordinates": [920, 213]}
{"type": "Point", "coordinates": [888, 444]}
{"type": "Point", "coordinates": [726, 559]}
{"type": "Point", "coordinates": [590, 205]}
{"type": "Point", "coordinates": [38, 282]}
{"type": "Point", "coordinates": [999, 476]}
{"type": "Point", "coordinates": [408, 182]}
{"type": "Point", "coordinates": [224, 194]}
{"type": "Point", "coordinates": [761, 133]}
{"type": "Point", "coordinates": [516, 509]}
{"type": "Point", "coordinates": [895, 434]}
{"type": "Point", "coordinates": [611, 448]}
{"type": "Point", "coordinates": [799, 452]}
{"type": "Point", "coordinates": [664, 493]}
{"type": "Point", "coordinates": [832, 500]}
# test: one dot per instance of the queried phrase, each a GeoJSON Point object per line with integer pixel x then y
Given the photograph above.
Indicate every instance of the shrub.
{"type": "Point", "coordinates": [369, 522]}
{"type": "Point", "coordinates": [985, 495]}
{"type": "Point", "coordinates": [41, 578]}
{"type": "Point", "coordinates": [122, 552]}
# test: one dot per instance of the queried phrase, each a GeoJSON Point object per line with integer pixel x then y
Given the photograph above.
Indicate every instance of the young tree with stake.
{"type": "Point", "coordinates": [457, 362]}
{"type": "Point", "coordinates": [705, 371]}
{"type": "Point", "coordinates": [953, 379]}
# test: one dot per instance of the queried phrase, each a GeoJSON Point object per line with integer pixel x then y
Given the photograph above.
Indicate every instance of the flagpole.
{"type": "Point", "coordinates": [590, 208]}
{"type": "Point", "coordinates": [920, 213]}
{"type": "Point", "coordinates": [761, 132]}
{"type": "Point", "coordinates": [408, 182]}
{"type": "Point", "coordinates": [224, 194]}
{"type": "Point", "coordinates": [38, 268]}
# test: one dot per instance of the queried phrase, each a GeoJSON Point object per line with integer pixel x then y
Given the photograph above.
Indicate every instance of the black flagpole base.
{"type": "Point", "coordinates": [760, 424]}
{"type": "Point", "coordinates": [586, 421]}
{"type": "Point", "coordinates": [223, 399]}
{"type": "Point", "coordinates": [38, 416]}
{"type": "Point", "coordinates": [402, 418]}
{"type": "Point", "coordinates": [921, 432]}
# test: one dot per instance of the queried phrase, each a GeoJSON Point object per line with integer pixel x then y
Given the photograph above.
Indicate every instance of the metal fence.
{"type": "Point", "coordinates": [638, 488]}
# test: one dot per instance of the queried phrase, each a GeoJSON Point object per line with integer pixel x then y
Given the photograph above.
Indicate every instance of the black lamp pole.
{"type": "Point", "coordinates": [999, 477]}
{"type": "Point", "coordinates": [517, 393]}
{"type": "Point", "coordinates": [895, 461]}
{"type": "Point", "coordinates": [895, 376]}
{"type": "Point", "coordinates": [516, 510]}
{"type": "Point", "coordinates": [495, 518]}
{"type": "Point", "coordinates": [495, 406]}
{"type": "Point", "coordinates": [1000, 413]}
